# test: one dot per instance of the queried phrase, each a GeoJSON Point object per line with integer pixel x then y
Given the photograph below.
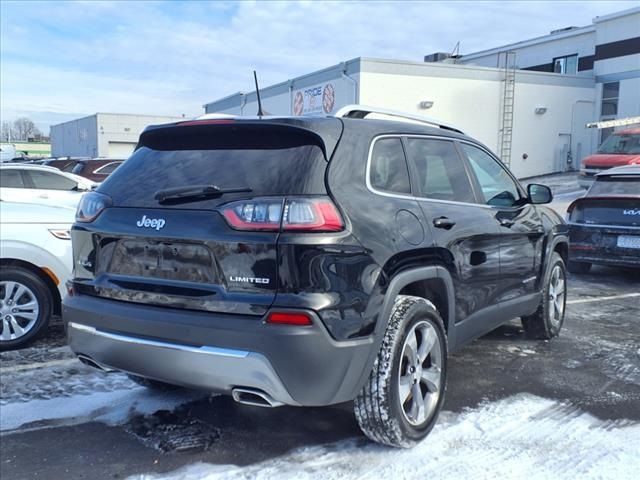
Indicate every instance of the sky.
{"type": "Point", "coordinates": [62, 60]}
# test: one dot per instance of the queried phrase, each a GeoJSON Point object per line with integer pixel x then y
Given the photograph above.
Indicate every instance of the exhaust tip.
{"type": "Point", "coordinates": [254, 397]}
{"type": "Point", "coordinates": [91, 363]}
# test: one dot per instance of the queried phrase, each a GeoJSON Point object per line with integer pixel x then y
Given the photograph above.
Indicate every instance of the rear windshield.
{"type": "Point", "coordinates": [615, 186]}
{"type": "Point", "coordinates": [276, 168]}
{"type": "Point", "coordinates": [621, 144]}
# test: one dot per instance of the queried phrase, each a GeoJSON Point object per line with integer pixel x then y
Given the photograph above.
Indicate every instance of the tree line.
{"type": "Point", "coordinates": [21, 130]}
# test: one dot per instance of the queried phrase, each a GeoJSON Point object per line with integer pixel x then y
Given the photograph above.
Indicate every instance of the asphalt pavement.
{"type": "Point", "coordinates": [61, 419]}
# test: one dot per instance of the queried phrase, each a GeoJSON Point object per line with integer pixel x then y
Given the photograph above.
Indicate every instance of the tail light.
{"type": "Point", "coordinates": [91, 205]}
{"type": "Point", "coordinates": [289, 318]}
{"type": "Point", "coordinates": [301, 214]}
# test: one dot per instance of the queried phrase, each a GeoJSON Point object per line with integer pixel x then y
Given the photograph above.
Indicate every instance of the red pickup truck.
{"type": "Point", "coordinates": [620, 148]}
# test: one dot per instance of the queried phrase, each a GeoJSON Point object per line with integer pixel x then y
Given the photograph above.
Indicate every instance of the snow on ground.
{"type": "Point", "coordinates": [523, 436]}
{"type": "Point", "coordinates": [112, 407]}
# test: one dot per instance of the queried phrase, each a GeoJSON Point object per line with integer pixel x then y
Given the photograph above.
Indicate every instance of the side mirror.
{"type": "Point", "coordinates": [81, 188]}
{"type": "Point", "coordinates": [539, 194]}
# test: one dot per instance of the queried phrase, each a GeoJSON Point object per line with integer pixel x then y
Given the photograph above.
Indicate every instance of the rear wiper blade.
{"type": "Point", "coordinates": [195, 193]}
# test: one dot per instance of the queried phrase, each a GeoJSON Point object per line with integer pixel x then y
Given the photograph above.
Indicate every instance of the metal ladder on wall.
{"type": "Point", "coordinates": [508, 99]}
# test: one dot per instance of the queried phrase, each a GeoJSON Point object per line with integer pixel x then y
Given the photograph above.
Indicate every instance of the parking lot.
{"type": "Point", "coordinates": [514, 406]}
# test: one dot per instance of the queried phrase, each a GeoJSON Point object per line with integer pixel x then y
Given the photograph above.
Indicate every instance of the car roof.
{"type": "Point", "coordinates": [46, 168]}
{"type": "Point", "coordinates": [30, 166]}
{"type": "Point", "coordinates": [624, 170]}
{"type": "Point", "coordinates": [329, 129]}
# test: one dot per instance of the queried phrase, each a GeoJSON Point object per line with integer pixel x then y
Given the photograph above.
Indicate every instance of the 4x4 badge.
{"type": "Point", "coordinates": [145, 222]}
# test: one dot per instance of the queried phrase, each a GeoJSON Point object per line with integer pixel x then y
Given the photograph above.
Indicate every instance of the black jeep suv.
{"type": "Point", "coordinates": [310, 261]}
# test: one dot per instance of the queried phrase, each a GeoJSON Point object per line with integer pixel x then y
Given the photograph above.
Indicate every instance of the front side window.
{"type": "Point", "coordinates": [51, 181]}
{"type": "Point", "coordinates": [498, 188]}
{"type": "Point", "coordinates": [389, 171]}
{"type": "Point", "coordinates": [440, 171]}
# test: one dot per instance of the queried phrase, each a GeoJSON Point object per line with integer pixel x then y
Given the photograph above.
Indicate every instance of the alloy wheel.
{"type": "Point", "coordinates": [18, 310]}
{"type": "Point", "coordinates": [557, 292]}
{"type": "Point", "coordinates": [420, 376]}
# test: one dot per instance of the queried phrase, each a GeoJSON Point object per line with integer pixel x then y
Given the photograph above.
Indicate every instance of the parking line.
{"type": "Point", "coordinates": [33, 366]}
{"type": "Point", "coordinates": [599, 299]}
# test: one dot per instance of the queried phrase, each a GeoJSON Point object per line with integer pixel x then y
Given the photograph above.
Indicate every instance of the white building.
{"type": "Point", "coordinates": [534, 119]}
{"type": "Point", "coordinates": [108, 135]}
{"type": "Point", "coordinates": [608, 51]}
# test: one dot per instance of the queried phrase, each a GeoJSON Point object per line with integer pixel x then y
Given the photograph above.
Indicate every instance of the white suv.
{"type": "Point", "coordinates": [41, 184]}
{"type": "Point", "coordinates": [35, 263]}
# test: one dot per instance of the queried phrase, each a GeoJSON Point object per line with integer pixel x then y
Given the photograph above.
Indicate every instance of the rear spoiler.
{"type": "Point", "coordinates": [325, 133]}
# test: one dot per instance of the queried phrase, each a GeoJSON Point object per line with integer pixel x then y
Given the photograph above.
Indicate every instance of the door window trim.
{"type": "Point", "coordinates": [464, 159]}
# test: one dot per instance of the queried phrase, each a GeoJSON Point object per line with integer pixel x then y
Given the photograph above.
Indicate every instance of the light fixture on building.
{"type": "Point", "coordinates": [540, 110]}
{"type": "Point", "coordinates": [426, 104]}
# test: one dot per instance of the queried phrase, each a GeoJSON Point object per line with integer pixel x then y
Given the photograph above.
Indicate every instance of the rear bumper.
{"type": "Point", "coordinates": [598, 244]}
{"type": "Point", "coordinates": [215, 368]}
{"type": "Point", "coordinates": [294, 365]}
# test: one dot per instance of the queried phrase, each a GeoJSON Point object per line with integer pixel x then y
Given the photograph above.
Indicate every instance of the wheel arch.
{"type": "Point", "coordinates": [433, 280]}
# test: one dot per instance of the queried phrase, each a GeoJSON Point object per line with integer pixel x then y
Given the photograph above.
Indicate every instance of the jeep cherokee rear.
{"type": "Point", "coordinates": [309, 262]}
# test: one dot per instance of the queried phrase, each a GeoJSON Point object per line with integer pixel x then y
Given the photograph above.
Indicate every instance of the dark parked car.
{"type": "Point", "coordinates": [96, 169]}
{"type": "Point", "coordinates": [604, 225]}
{"type": "Point", "coordinates": [311, 261]}
{"type": "Point", "coordinates": [64, 164]}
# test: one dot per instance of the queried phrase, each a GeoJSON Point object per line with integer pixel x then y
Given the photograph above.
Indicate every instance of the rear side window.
{"type": "Point", "coordinates": [440, 171]}
{"type": "Point", "coordinates": [389, 171]}
{"type": "Point", "coordinates": [11, 179]}
{"type": "Point", "coordinates": [51, 181]}
{"type": "Point", "coordinates": [275, 164]}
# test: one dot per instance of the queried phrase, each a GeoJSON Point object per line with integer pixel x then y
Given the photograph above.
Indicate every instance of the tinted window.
{"type": "Point", "coordinates": [440, 171]}
{"type": "Point", "coordinates": [615, 186]}
{"type": "Point", "coordinates": [51, 181]}
{"type": "Point", "coordinates": [497, 186]}
{"type": "Point", "coordinates": [11, 179]}
{"type": "Point", "coordinates": [68, 167]}
{"type": "Point", "coordinates": [388, 167]}
{"type": "Point", "coordinates": [108, 168]}
{"type": "Point", "coordinates": [286, 171]}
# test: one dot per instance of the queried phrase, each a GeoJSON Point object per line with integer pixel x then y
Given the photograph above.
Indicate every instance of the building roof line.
{"type": "Point", "coordinates": [532, 41]}
{"type": "Point", "coordinates": [286, 82]}
{"type": "Point", "coordinates": [611, 16]}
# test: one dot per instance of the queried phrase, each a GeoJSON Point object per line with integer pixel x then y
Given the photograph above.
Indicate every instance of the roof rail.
{"type": "Point", "coordinates": [361, 111]}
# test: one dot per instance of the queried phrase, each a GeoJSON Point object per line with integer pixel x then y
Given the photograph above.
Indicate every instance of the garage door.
{"type": "Point", "coordinates": [121, 149]}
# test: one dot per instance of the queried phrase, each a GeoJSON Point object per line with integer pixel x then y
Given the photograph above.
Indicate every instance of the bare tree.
{"type": "Point", "coordinates": [6, 134]}
{"type": "Point", "coordinates": [24, 129]}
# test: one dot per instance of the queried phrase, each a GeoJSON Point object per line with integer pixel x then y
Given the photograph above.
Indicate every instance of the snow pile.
{"type": "Point", "coordinates": [519, 437]}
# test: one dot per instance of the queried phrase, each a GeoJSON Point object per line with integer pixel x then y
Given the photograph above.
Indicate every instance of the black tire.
{"type": "Point", "coordinates": [156, 385]}
{"type": "Point", "coordinates": [579, 267]}
{"type": "Point", "coordinates": [9, 278]}
{"type": "Point", "coordinates": [543, 324]}
{"type": "Point", "coordinates": [378, 408]}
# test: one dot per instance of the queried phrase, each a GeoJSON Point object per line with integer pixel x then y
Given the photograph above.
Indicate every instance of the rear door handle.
{"type": "Point", "coordinates": [505, 222]}
{"type": "Point", "coordinates": [443, 222]}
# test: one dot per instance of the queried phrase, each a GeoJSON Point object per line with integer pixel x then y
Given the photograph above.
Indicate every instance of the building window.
{"type": "Point", "coordinates": [609, 106]}
{"type": "Point", "coordinates": [566, 65]}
